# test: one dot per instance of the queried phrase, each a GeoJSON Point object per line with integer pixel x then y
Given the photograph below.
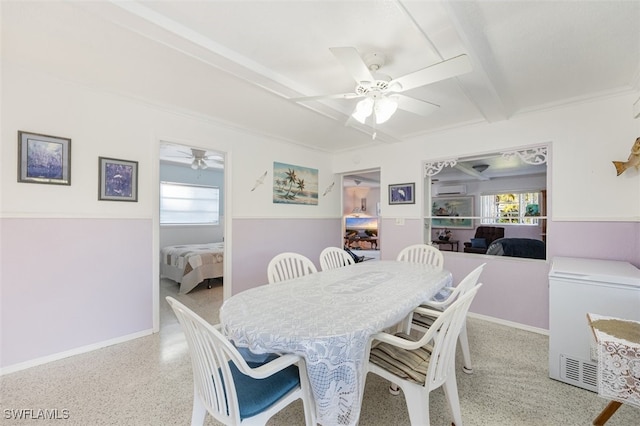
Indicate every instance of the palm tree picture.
{"type": "Point", "coordinates": [294, 184]}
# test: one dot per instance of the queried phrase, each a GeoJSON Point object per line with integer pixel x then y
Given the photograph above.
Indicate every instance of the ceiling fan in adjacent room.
{"type": "Point", "coordinates": [200, 159]}
{"type": "Point", "coordinates": [381, 95]}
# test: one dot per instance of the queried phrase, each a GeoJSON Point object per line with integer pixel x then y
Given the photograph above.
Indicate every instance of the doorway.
{"type": "Point", "coordinates": [361, 228]}
{"type": "Point", "coordinates": [191, 226]}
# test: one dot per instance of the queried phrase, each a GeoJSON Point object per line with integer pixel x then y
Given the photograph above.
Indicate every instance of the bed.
{"type": "Point", "coordinates": [190, 264]}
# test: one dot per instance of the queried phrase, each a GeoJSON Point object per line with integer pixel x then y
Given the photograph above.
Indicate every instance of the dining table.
{"type": "Point", "coordinates": [328, 318]}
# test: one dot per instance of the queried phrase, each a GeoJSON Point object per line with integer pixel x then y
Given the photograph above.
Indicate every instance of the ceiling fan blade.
{"type": "Point", "coordinates": [351, 60]}
{"type": "Point", "coordinates": [351, 95]}
{"type": "Point", "coordinates": [453, 67]}
{"type": "Point", "coordinates": [214, 160]}
{"type": "Point", "coordinates": [350, 121]}
{"type": "Point", "coordinates": [416, 106]}
{"type": "Point", "coordinates": [198, 153]}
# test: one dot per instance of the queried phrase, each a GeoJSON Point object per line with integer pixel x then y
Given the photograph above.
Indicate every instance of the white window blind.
{"type": "Point", "coordinates": [514, 208]}
{"type": "Point", "coordinates": [189, 204]}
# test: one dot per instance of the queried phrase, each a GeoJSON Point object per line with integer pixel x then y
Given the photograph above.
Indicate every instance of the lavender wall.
{"type": "Point", "coordinates": [516, 290]}
{"type": "Point", "coordinates": [397, 235]}
{"type": "Point", "coordinates": [70, 283]}
{"type": "Point", "coordinates": [602, 240]}
{"type": "Point", "coordinates": [257, 241]}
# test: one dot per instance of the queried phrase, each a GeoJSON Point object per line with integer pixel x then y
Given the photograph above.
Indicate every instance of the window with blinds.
{"type": "Point", "coordinates": [513, 208]}
{"type": "Point", "coordinates": [189, 204]}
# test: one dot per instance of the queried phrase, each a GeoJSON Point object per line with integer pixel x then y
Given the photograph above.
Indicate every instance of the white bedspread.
{"type": "Point", "coordinates": [190, 264]}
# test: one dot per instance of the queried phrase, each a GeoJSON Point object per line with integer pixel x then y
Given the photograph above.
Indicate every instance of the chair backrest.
{"type": "Point", "coordinates": [465, 285]}
{"type": "Point", "coordinates": [422, 253]}
{"type": "Point", "coordinates": [334, 257]}
{"type": "Point", "coordinates": [210, 355]}
{"type": "Point", "coordinates": [444, 333]}
{"type": "Point", "coordinates": [286, 266]}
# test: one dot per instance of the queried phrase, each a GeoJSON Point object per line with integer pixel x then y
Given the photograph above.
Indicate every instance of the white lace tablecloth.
{"type": "Point", "coordinates": [328, 318]}
{"type": "Point", "coordinates": [618, 352]}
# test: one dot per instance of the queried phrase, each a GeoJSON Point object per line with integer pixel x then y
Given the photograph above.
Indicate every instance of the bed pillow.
{"type": "Point", "coordinates": [479, 243]}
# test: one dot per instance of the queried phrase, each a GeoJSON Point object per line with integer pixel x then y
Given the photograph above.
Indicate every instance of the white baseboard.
{"type": "Point", "coordinates": [76, 351]}
{"type": "Point", "coordinates": [509, 323]}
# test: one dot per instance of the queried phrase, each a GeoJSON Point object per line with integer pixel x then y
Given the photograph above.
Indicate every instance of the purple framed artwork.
{"type": "Point", "coordinates": [402, 193]}
{"type": "Point", "coordinates": [118, 180]}
{"type": "Point", "coordinates": [44, 159]}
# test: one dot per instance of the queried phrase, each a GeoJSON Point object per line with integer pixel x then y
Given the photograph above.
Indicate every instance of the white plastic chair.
{"type": "Point", "coordinates": [334, 257]}
{"type": "Point", "coordinates": [286, 266]}
{"type": "Point", "coordinates": [422, 253]}
{"type": "Point", "coordinates": [423, 322]}
{"type": "Point", "coordinates": [420, 366]}
{"type": "Point", "coordinates": [419, 253]}
{"type": "Point", "coordinates": [231, 390]}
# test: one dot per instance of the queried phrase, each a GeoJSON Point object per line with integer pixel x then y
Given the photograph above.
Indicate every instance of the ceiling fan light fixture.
{"type": "Point", "coordinates": [384, 108]}
{"type": "Point", "coordinates": [395, 87]}
{"type": "Point", "coordinates": [199, 163]}
{"type": "Point", "coordinates": [364, 109]}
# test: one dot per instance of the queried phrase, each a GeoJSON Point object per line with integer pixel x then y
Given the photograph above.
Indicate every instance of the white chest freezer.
{"type": "Point", "coordinates": [577, 287]}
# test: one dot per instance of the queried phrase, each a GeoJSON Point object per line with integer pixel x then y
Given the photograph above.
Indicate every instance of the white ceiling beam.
{"type": "Point", "coordinates": [479, 87]}
{"type": "Point", "coordinates": [470, 171]}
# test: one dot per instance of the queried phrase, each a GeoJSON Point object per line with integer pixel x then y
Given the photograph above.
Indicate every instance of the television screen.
{"type": "Point", "coordinates": [361, 223]}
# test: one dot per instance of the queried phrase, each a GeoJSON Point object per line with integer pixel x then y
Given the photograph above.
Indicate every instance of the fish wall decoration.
{"type": "Point", "coordinates": [633, 161]}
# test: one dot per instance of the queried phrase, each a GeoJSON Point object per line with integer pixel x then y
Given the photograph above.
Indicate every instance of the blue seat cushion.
{"type": "Point", "coordinates": [251, 356]}
{"type": "Point", "coordinates": [256, 395]}
{"type": "Point", "coordinates": [479, 242]}
{"type": "Point", "coordinates": [443, 294]}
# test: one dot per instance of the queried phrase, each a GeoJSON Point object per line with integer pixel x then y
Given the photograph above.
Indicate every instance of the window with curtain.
{"type": "Point", "coordinates": [513, 208]}
{"type": "Point", "coordinates": [189, 204]}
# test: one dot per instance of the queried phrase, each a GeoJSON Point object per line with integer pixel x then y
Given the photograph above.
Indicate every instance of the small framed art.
{"type": "Point", "coordinates": [118, 179]}
{"type": "Point", "coordinates": [44, 159]}
{"type": "Point", "coordinates": [452, 212]}
{"type": "Point", "coordinates": [295, 184]}
{"type": "Point", "coordinates": [402, 193]}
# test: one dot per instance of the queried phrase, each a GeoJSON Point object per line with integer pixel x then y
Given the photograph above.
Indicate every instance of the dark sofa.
{"type": "Point", "coordinates": [518, 247]}
{"type": "Point", "coordinates": [485, 235]}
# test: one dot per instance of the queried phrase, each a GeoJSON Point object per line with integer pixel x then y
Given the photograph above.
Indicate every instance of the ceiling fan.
{"type": "Point", "coordinates": [200, 158]}
{"type": "Point", "coordinates": [381, 94]}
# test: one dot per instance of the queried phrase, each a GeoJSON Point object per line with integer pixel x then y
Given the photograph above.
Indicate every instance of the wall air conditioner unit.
{"type": "Point", "coordinates": [452, 190]}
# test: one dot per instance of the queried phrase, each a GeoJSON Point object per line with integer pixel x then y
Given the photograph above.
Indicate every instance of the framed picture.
{"type": "Point", "coordinates": [402, 193]}
{"type": "Point", "coordinates": [118, 179]}
{"type": "Point", "coordinates": [452, 212]}
{"type": "Point", "coordinates": [44, 159]}
{"type": "Point", "coordinates": [294, 184]}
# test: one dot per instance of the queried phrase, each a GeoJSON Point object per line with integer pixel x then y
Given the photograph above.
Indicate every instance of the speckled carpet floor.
{"type": "Point", "coordinates": [148, 381]}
